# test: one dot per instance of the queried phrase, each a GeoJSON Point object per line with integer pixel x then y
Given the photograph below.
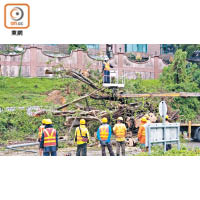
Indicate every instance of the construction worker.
{"type": "Point", "coordinates": [106, 70]}
{"type": "Point", "coordinates": [40, 131]}
{"type": "Point", "coordinates": [147, 117]}
{"type": "Point", "coordinates": [168, 146]}
{"type": "Point", "coordinates": [49, 140]}
{"type": "Point", "coordinates": [104, 133]}
{"type": "Point", "coordinates": [120, 132]}
{"type": "Point", "coordinates": [82, 138]}
{"type": "Point", "coordinates": [141, 132]}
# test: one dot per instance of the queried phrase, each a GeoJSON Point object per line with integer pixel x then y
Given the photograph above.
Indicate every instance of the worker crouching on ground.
{"type": "Point", "coordinates": [82, 137]}
{"type": "Point", "coordinates": [49, 140]}
{"type": "Point", "coordinates": [141, 133]}
{"type": "Point", "coordinates": [106, 71]}
{"type": "Point", "coordinates": [168, 146]}
{"type": "Point", "coordinates": [104, 133]}
{"type": "Point", "coordinates": [40, 131]}
{"type": "Point", "coordinates": [120, 132]}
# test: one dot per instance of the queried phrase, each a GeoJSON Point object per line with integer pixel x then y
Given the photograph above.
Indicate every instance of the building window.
{"type": "Point", "coordinates": [93, 46]}
{"type": "Point", "coordinates": [136, 48]}
{"type": "Point", "coordinates": [167, 48]}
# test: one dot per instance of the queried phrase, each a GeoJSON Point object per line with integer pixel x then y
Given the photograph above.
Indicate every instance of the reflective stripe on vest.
{"type": "Point", "coordinates": [83, 133]}
{"type": "Point", "coordinates": [120, 130]}
{"type": "Point", "coordinates": [107, 66]}
{"type": "Point", "coordinates": [49, 137]}
{"type": "Point", "coordinates": [41, 128]}
{"type": "Point", "coordinates": [104, 132]}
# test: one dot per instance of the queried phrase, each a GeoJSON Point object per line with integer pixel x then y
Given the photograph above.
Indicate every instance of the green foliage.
{"type": "Point", "coordinates": [176, 73]}
{"type": "Point", "coordinates": [189, 48]}
{"type": "Point", "coordinates": [17, 125]}
{"type": "Point", "coordinates": [76, 46]}
{"type": "Point", "coordinates": [142, 86]}
{"type": "Point", "coordinates": [178, 77]}
{"type": "Point", "coordinates": [29, 91]}
{"type": "Point", "coordinates": [184, 151]}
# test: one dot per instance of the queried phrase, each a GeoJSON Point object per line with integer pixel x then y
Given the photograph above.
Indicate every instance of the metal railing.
{"type": "Point", "coordinates": [114, 77]}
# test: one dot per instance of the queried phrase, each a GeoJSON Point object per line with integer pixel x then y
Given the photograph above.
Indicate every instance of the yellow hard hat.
{"type": "Point", "coordinates": [166, 117]}
{"type": "Point", "coordinates": [48, 121]}
{"type": "Point", "coordinates": [44, 121]}
{"type": "Point", "coordinates": [104, 120]}
{"type": "Point", "coordinates": [144, 119]}
{"type": "Point", "coordinates": [146, 116]}
{"type": "Point", "coordinates": [120, 118]}
{"type": "Point", "coordinates": [82, 121]}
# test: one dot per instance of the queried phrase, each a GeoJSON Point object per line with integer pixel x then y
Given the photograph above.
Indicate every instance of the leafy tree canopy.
{"type": "Point", "coordinates": [76, 46]}
{"type": "Point", "coordinates": [189, 48]}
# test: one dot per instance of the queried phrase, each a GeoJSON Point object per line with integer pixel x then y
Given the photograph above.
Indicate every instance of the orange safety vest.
{"type": "Point", "coordinates": [104, 131]}
{"type": "Point", "coordinates": [41, 128]}
{"type": "Point", "coordinates": [120, 131]}
{"type": "Point", "coordinates": [49, 137]}
{"type": "Point", "coordinates": [141, 134]}
{"type": "Point", "coordinates": [107, 66]}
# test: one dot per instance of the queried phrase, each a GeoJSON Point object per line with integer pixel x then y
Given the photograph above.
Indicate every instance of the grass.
{"type": "Point", "coordinates": [29, 91]}
{"type": "Point", "coordinates": [184, 151]}
{"type": "Point", "coordinates": [144, 86]}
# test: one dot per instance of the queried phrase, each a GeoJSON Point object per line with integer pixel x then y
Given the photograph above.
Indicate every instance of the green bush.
{"type": "Point", "coordinates": [184, 151]}
{"type": "Point", "coordinates": [17, 125]}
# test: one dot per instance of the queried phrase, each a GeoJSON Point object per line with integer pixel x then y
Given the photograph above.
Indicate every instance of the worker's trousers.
{"type": "Point", "coordinates": [103, 149]}
{"type": "Point", "coordinates": [168, 147]}
{"type": "Point", "coordinates": [122, 145]}
{"type": "Point", "coordinates": [52, 153]}
{"type": "Point", "coordinates": [106, 76]}
{"type": "Point", "coordinates": [81, 149]}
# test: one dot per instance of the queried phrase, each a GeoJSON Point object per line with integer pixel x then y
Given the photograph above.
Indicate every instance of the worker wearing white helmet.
{"type": "Point", "coordinates": [106, 70]}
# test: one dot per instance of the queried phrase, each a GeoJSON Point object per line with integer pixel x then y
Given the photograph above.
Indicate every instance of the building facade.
{"type": "Point", "coordinates": [143, 49]}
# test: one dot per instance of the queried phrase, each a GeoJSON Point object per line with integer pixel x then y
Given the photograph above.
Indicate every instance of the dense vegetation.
{"type": "Point", "coordinates": [23, 92]}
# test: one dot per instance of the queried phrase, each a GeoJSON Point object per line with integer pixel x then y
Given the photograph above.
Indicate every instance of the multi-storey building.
{"type": "Point", "coordinates": [144, 49]}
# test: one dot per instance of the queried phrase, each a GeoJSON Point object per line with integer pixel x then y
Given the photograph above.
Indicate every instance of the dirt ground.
{"type": "Point", "coordinates": [91, 151]}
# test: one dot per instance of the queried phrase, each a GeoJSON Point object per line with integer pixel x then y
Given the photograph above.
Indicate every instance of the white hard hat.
{"type": "Point", "coordinates": [106, 58]}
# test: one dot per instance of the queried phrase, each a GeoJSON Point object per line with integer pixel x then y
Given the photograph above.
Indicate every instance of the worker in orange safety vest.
{"type": "Point", "coordinates": [120, 131]}
{"type": "Point", "coordinates": [49, 140]}
{"type": "Point", "coordinates": [40, 131]}
{"type": "Point", "coordinates": [141, 132]}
